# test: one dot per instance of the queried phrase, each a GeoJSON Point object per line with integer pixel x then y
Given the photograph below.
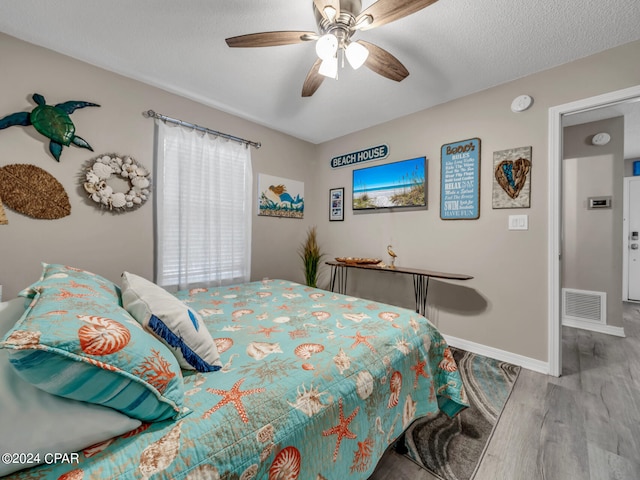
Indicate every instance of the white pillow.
{"type": "Point", "coordinates": [172, 322]}
{"type": "Point", "coordinates": [36, 422]}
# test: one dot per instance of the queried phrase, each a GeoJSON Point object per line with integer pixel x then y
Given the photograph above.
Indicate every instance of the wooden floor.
{"type": "Point", "coordinates": [584, 425]}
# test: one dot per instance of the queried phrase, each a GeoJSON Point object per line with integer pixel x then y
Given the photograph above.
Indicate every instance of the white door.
{"type": "Point", "coordinates": [632, 237]}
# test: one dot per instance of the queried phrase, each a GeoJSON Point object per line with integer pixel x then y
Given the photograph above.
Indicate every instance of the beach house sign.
{"type": "Point", "coordinates": [371, 153]}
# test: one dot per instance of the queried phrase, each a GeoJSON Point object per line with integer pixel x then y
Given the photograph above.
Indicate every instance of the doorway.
{"type": "Point", "coordinates": [556, 115]}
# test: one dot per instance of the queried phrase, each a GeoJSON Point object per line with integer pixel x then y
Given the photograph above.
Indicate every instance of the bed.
{"type": "Point", "coordinates": [304, 384]}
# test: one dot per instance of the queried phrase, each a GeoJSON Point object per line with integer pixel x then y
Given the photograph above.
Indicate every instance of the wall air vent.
{"type": "Point", "coordinates": [584, 305]}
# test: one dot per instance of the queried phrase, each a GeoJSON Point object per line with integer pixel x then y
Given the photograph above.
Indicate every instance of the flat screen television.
{"type": "Point", "coordinates": [392, 185]}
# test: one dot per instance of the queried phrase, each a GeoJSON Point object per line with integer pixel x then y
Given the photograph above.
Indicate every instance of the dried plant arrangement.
{"type": "Point", "coordinates": [311, 255]}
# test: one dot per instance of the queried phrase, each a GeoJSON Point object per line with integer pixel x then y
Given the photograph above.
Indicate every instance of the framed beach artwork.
{"type": "Point", "coordinates": [392, 185]}
{"type": "Point", "coordinates": [280, 197]}
{"type": "Point", "coordinates": [512, 178]}
{"type": "Point", "coordinates": [336, 204]}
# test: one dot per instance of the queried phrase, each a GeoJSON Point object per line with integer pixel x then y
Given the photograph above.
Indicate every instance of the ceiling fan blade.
{"type": "Point", "coordinates": [313, 81]}
{"type": "Point", "coordinates": [270, 39]}
{"type": "Point", "coordinates": [321, 4]}
{"type": "Point", "coordinates": [387, 11]}
{"type": "Point", "coordinates": [383, 63]}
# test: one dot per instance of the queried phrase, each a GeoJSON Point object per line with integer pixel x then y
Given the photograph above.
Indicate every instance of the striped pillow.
{"type": "Point", "coordinates": [82, 345]}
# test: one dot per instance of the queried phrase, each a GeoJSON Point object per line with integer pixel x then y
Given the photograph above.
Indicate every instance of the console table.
{"type": "Point", "coordinates": [420, 279]}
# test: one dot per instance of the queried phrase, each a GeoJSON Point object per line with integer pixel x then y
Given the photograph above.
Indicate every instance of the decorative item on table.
{"type": "Point", "coordinates": [51, 121]}
{"type": "Point", "coordinates": [512, 178]}
{"type": "Point", "coordinates": [311, 254]}
{"type": "Point", "coordinates": [393, 256]}
{"type": "Point", "coordinates": [358, 260]}
{"type": "Point", "coordinates": [280, 197]}
{"type": "Point", "coordinates": [105, 171]}
{"type": "Point", "coordinates": [32, 191]}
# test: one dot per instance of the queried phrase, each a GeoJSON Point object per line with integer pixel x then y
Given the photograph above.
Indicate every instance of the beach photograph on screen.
{"type": "Point", "coordinates": [392, 185]}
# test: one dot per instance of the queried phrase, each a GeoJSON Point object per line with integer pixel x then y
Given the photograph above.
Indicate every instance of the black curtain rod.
{"type": "Point", "coordinates": [164, 118]}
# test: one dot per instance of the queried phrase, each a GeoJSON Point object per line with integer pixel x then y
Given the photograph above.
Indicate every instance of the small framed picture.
{"type": "Point", "coordinates": [336, 204]}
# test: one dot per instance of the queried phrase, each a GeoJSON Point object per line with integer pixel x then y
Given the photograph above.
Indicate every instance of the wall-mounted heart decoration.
{"type": "Point", "coordinates": [512, 178]}
{"type": "Point", "coordinates": [512, 175]}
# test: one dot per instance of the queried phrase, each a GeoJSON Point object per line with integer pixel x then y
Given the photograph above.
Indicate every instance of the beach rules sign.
{"type": "Point", "coordinates": [372, 153]}
{"type": "Point", "coordinates": [460, 180]}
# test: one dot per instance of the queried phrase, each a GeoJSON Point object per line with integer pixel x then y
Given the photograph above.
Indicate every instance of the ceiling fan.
{"type": "Point", "coordinates": [338, 21]}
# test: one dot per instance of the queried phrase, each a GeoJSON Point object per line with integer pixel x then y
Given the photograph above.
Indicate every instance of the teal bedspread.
{"type": "Point", "coordinates": [314, 385]}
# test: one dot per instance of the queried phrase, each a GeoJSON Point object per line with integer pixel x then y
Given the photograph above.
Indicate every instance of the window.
{"type": "Point", "coordinates": [203, 209]}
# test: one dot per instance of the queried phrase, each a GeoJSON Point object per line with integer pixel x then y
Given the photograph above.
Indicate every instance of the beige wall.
{"type": "Point", "coordinates": [98, 240]}
{"type": "Point", "coordinates": [592, 239]}
{"type": "Point", "coordinates": [503, 307]}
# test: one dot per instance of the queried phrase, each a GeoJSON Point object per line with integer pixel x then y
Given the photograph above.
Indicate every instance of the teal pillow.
{"type": "Point", "coordinates": [65, 276]}
{"type": "Point", "coordinates": [84, 346]}
{"type": "Point", "coordinates": [37, 422]}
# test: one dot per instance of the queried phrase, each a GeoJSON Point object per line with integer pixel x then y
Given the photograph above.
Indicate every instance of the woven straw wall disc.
{"type": "Point", "coordinates": [30, 190]}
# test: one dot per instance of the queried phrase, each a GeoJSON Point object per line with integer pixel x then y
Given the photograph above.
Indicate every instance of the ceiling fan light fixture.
{"type": "Point", "coordinates": [329, 67]}
{"type": "Point", "coordinates": [327, 46]}
{"type": "Point", "coordinates": [356, 54]}
{"type": "Point", "coordinates": [330, 13]}
{"type": "Point", "coordinates": [363, 21]}
{"type": "Point", "coordinates": [336, 22]}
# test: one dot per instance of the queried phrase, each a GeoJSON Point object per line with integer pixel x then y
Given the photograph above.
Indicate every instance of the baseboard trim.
{"type": "Point", "coordinates": [594, 327]}
{"type": "Point", "coordinates": [502, 355]}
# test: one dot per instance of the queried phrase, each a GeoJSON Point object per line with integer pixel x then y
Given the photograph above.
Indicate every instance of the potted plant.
{"type": "Point", "coordinates": [311, 255]}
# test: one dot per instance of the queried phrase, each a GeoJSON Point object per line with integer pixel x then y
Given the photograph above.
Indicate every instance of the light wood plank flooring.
{"type": "Point", "coordinates": [584, 425]}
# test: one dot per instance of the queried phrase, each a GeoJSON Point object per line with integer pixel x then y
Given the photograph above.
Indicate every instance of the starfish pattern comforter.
{"type": "Point", "coordinates": [314, 385]}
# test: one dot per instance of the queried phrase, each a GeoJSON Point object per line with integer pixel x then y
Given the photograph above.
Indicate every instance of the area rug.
{"type": "Point", "coordinates": [451, 448]}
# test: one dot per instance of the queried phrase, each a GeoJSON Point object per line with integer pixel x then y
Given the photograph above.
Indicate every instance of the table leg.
{"type": "Point", "coordinates": [334, 271]}
{"type": "Point", "coordinates": [339, 277]}
{"type": "Point", "coordinates": [421, 288]}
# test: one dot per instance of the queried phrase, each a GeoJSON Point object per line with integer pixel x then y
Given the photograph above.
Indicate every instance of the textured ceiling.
{"type": "Point", "coordinates": [451, 49]}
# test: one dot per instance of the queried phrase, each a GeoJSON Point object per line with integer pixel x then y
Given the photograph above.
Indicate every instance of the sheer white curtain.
{"type": "Point", "coordinates": [203, 209]}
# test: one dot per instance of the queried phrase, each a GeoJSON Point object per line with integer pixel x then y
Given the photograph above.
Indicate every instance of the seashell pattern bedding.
{"type": "Point", "coordinates": [313, 385]}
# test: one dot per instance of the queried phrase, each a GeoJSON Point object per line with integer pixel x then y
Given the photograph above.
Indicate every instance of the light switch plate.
{"type": "Point", "coordinates": [518, 222]}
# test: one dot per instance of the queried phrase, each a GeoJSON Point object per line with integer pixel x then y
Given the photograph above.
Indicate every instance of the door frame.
{"type": "Point", "coordinates": [555, 207]}
{"type": "Point", "coordinates": [625, 238]}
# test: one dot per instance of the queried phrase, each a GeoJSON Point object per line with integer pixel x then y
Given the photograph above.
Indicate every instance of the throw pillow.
{"type": "Point", "coordinates": [80, 344]}
{"type": "Point", "coordinates": [41, 423]}
{"type": "Point", "coordinates": [171, 321]}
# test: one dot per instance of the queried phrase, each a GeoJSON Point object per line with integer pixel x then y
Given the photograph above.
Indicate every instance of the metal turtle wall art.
{"type": "Point", "coordinates": [52, 121]}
